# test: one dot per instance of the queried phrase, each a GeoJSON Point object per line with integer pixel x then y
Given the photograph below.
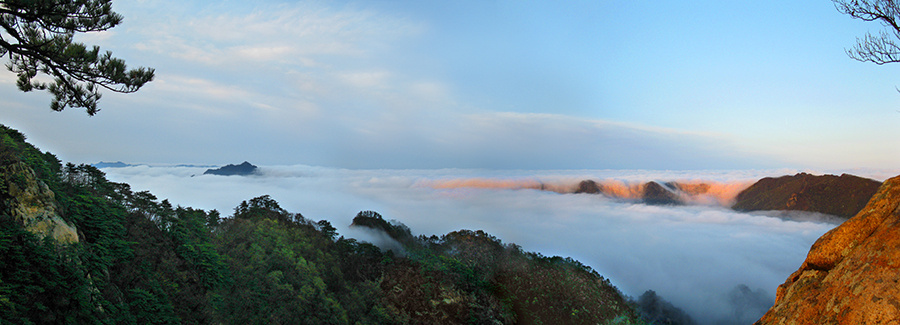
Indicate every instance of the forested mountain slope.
{"type": "Point", "coordinates": [136, 260]}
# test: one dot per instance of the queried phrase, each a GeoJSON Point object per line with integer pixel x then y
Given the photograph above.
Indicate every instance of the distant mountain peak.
{"type": "Point", "coordinates": [842, 196]}
{"type": "Point", "coordinates": [649, 192]}
{"type": "Point", "coordinates": [244, 169]}
{"type": "Point", "coordinates": [105, 164]}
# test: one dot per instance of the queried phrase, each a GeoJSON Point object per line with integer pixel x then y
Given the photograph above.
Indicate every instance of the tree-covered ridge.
{"type": "Point", "coordinates": [141, 260]}
{"type": "Point", "coordinates": [244, 169]}
{"type": "Point", "coordinates": [14, 148]}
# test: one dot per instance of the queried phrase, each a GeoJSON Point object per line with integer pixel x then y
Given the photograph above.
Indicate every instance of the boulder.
{"type": "Point", "coordinates": [852, 273]}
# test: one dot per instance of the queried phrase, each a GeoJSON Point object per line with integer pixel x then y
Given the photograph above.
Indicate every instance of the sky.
{"type": "Point", "coordinates": [483, 84]}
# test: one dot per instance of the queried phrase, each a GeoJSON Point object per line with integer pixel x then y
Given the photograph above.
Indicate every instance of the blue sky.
{"type": "Point", "coordinates": [484, 84]}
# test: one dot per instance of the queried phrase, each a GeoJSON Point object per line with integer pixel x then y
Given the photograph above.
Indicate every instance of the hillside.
{"type": "Point", "coordinates": [137, 259]}
{"type": "Point", "coordinates": [841, 196]}
{"type": "Point", "coordinates": [851, 273]}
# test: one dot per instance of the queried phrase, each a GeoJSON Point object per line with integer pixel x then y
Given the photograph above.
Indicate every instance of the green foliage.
{"type": "Point", "coordinates": [14, 148]}
{"type": "Point", "coordinates": [138, 260]}
{"type": "Point", "coordinates": [38, 37]}
{"type": "Point", "coordinates": [264, 207]}
{"type": "Point", "coordinates": [100, 220]}
{"type": "Point", "coordinates": [141, 260]}
{"type": "Point", "coordinates": [145, 307]}
{"type": "Point", "coordinates": [472, 277]}
{"type": "Point", "coordinates": [283, 267]}
{"type": "Point", "coordinates": [158, 268]}
{"type": "Point", "coordinates": [277, 276]}
{"type": "Point", "coordinates": [327, 229]}
{"type": "Point", "coordinates": [395, 230]}
{"type": "Point", "coordinates": [192, 240]}
{"type": "Point", "coordinates": [623, 320]}
{"type": "Point", "coordinates": [39, 283]}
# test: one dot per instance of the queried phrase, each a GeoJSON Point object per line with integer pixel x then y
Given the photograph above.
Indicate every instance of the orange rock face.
{"type": "Point", "coordinates": [852, 273]}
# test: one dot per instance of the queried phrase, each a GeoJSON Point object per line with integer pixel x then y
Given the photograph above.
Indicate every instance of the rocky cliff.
{"type": "Point", "coordinates": [852, 273]}
{"type": "Point", "coordinates": [841, 196]}
{"type": "Point", "coordinates": [29, 201]}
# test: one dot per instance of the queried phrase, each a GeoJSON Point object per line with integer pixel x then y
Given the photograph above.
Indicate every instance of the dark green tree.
{"type": "Point", "coordinates": [37, 35]}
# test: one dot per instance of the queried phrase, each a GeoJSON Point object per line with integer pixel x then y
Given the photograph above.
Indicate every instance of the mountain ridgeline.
{"type": "Point", "coordinates": [839, 197]}
{"type": "Point", "coordinates": [842, 196]}
{"type": "Point", "coordinates": [76, 248]}
{"type": "Point", "coordinates": [242, 169]}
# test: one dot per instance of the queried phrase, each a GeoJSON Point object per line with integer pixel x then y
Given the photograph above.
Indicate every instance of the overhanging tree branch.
{"type": "Point", "coordinates": [37, 35]}
{"type": "Point", "coordinates": [881, 48]}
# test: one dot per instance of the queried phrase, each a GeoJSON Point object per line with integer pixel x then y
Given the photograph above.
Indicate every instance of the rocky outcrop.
{"type": "Point", "coordinates": [656, 194]}
{"type": "Point", "coordinates": [588, 187]}
{"type": "Point", "coordinates": [841, 196]}
{"type": "Point", "coordinates": [852, 273]}
{"type": "Point", "coordinates": [29, 201]}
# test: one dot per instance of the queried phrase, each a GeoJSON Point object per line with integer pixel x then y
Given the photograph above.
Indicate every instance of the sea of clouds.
{"type": "Point", "coordinates": [696, 255]}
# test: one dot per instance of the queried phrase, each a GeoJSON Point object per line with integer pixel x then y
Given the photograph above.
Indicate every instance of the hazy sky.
{"type": "Point", "coordinates": [484, 84]}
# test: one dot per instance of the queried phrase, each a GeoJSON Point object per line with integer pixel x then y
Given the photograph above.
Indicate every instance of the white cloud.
{"type": "Point", "coordinates": [367, 80]}
{"type": "Point", "coordinates": [297, 70]}
{"type": "Point", "coordinates": [262, 53]}
{"type": "Point", "coordinates": [7, 78]}
{"type": "Point", "coordinates": [91, 38]}
{"type": "Point", "coordinates": [396, 131]}
{"type": "Point", "coordinates": [431, 91]}
{"type": "Point", "coordinates": [288, 34]}
{"type": "Point", "coordinates": [528, 140]}
{"type": "Point", "coordinates": [205, 87]}
{"type": "Point", "coordinates": [690, 255]}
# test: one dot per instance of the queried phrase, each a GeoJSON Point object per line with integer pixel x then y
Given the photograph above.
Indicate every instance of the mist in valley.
{"type": "Point", "coordinates": [718, 265]}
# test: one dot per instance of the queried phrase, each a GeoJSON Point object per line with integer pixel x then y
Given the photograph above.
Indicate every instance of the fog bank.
{"type": "Point", "coordinates": [693, 255]}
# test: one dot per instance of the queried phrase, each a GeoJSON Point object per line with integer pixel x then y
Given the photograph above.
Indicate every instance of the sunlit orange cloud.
{"type": "Point", "coordinates": [622, 190]}
{"type": "Point", "coordinates": [692, 191]}
{"type": "Point", "coordinates": [708, 193]}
